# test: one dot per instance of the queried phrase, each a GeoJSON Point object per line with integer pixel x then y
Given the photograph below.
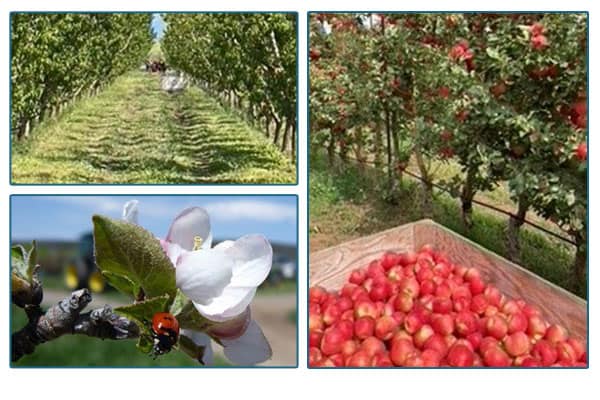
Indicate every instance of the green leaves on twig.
{"type": "Point", "coordinates": [132, 259]}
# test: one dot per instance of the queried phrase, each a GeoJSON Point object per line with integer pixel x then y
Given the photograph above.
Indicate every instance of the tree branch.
{"type": "Point", "coordinates": [66, 318]}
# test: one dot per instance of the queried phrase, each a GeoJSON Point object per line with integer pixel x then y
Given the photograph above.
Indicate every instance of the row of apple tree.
{"type": "Point", "coordinates": [55, 57]}
{"type": "Point", "coordinates": [247, 60]}
{"type": "Point", "coordinates": [502, 95]}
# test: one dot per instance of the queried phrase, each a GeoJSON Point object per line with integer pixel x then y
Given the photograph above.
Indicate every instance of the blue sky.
{"type": "Point", "coordinates": [67, 217]}
{"type": "Point", "coordinates": [158, 25]}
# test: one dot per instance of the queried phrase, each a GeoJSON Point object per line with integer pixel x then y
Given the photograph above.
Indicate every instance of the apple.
{"type": "Point", "coordinates": [496, 326]}
{"type": "Point", "coordinates": [544, 352]}
{"type": "Point", "coordinates": [401, 349]}
{"type": "Point", "coordinates": [365, 309]}
{"type": "Point", "coordinates": [517, 344]}
{"type": "Point", "coordinates": [332, 341]}
{"type": "Point", "coordinates": [385, 327]}
{"type": "Point", "coordinates": [460, 355]}
{"type": "Point", "coordinates": [496, 357]}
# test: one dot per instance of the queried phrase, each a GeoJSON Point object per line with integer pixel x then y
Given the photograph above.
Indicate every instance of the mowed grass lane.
{"type": "Point", "coordinates": [133, 132]}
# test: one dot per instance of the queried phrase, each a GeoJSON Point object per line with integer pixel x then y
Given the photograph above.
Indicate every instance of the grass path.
{"type": "Point", "coordinates": [133, 132]}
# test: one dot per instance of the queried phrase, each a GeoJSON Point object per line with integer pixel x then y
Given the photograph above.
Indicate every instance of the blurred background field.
{"type": "Point", "coordinates": [274, 307]}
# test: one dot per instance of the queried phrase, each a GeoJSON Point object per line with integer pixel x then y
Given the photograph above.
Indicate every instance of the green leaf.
{"type": "Point", "coordinates": [31, 260]}
{"type": "Point", "coordinates": [18, 256]}
{"type": "Point", "coordinates": [143, 311]}
{"type": "Point", "coordinates": [190, 318]}
{"type": "Point", "coordinates": [23, 262]}
{"type": "Point", "coordinates": [178, 303]}
{"type": "Point", "coordinates": [145, 343]}
{"type": "Point", "coordinates": [121, 283]}
{"type": "Point", "coordinates": [190, 348]}
{"type": "Point", "coordinates": [131, 252]}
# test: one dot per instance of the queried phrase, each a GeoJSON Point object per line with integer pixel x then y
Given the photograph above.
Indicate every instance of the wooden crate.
{"type": "Point", "coordinates": [330, 268]}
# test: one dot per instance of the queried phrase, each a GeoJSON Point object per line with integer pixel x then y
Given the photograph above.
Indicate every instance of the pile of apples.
{"type": "Point", "coordinates": [421, 310]}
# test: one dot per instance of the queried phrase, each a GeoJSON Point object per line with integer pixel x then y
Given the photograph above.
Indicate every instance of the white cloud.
{"type": "Point", "coordinates": [227, 210]}
{"type": "Point", "coordinates": [250, 209]}
{"type": "Point", "coordinates": [114, 205]}
{"type": "Point", "coordinates": [93, 203]}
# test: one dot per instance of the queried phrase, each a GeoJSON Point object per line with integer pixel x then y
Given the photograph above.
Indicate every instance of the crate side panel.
{"type": "Point", "coordinates": [330, 267]}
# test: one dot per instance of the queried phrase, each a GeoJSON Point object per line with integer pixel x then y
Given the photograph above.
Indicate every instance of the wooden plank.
{"type": "Point", "coordinates": [330, 268]}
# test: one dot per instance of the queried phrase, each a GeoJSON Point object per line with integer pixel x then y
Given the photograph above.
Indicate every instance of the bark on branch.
{"type": "Point", "coordinates": [66, 318]}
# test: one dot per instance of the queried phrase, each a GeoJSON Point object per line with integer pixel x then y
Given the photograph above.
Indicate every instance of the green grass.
{"type": "Point", "coordinates": [346, 202]}
{"type": "Point", "coordinates": [133, 132]}
{"type": "Point", "coordinates": [285, 287]}
{"type": "Point", "coordinates": [83, 351]}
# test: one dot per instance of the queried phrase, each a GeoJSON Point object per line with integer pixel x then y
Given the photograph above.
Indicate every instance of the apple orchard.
{"type": "Point", "coordinates": [504, 96]}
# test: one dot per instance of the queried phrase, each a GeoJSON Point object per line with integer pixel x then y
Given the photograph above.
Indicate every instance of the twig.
{"type": "Point", "coordinates": [66, 318]}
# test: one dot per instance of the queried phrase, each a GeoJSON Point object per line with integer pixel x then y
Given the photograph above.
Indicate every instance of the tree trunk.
{"type": "Point", "coordinates": [293, 127]}
{"type": "Point", "coordinates": [331, 151]}
{"type": "Point", "coordinates": [286, 134]}
{"type": "Point", "coordinates": [579, 277]}
{"type": "Point", "coordinates": [426, 185]}
{"type": "Point", "coordinates": [390, 166]}
{"type": "Point", "coordinates": [278, 125]}
{"type": "Point", "coordinates": [378, 146]}
{"type": "Point", "coordinates": [396, 143]}
{"type": "Point", "coordinates": [513, 246]}
{"type": "Point", "coordinates": [466, 198]}
{"type": "Point", "coordinates": [267, 125]}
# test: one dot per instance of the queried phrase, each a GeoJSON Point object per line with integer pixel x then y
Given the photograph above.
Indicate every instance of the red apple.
{"type": "Point", "coordinates": [496, 357]}
{"type": "Point", "coordinates": [422, 335]}
{"type": "Point", "coordinates": [496, 326]}
{"type": "Point", "coordinates": [556, 333]}
{"type": "Point", "coordinates": [314, 338]}
{"type": "Point", "coordinates": [365, 309]}
{"type": "Point", "coordinates": [385, 327]}
{"type": "Point", "coordinates": [317, 294]}
{"type": "Point", "coordinates": [442, 324]}
{"type": "Point", "coordinates": [517, 323]}
{"type": "Point", "coordinates": [460, 355]}
{"type": "Point", "coordinates": [545, 352]}
{"type": "Point", "coordinates": [314, 356]}
{"type": "Point", "coordinates": [466, 323]}
{"type": "Point", "coordinates": [357, 276]}
{"type": "Point", "coordinates": [536, 327]}
{"type": "Point", "coordinates": [372, 346]}
{"type": "Point", "coordinates": [517, 344]}
{"type": "Point", "coordinates": [360, 359]}
{"type": "Point", "coordinates": [401, 349]}
{"type": "Point", "coordinates": [331, 314]}
{"type": "Point", "coordinates": [332, 341]}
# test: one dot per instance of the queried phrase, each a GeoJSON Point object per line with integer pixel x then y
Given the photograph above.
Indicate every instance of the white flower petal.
{"type": "Point", "coordinates": [130, 211]}
{"type": "Point", "coordinates": [203, 340]}
{"type": "Point", "coordinates": [250, 348]}
{"type": "Point", "coordinates": [172, 250]}
{"type": "Point", "coordinates": [225, 244]}
{"type": "Point", "coordinates": [190, 223]}
{"type": "Point", "coordinates": [253, 257]}
{"type": "Point", "coordinates": [202, 275]}
{"type": "Point", "coordinates": [231, 303]}
{"type": "Point", "coordinates": [232, 328]}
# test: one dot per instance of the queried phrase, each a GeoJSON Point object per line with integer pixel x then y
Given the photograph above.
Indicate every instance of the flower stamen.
{"type": "Point", "coordinates": [197, 243]}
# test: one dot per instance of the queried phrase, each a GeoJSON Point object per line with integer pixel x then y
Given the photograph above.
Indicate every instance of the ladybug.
{"type": "Point", "coordinates": [165, 332]}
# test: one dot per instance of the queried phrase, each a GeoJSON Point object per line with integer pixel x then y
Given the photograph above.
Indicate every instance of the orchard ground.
{"type": "Point", "coordinates": [274, 308]}
{"type": "Point", "coordinates": [346, 203]}
{"type": "Point", "coordinates": [133, 132]}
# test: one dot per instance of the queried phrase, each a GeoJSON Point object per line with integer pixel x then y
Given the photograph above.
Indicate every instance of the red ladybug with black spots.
{"type": "Point", "coordinates": [165, 332]}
